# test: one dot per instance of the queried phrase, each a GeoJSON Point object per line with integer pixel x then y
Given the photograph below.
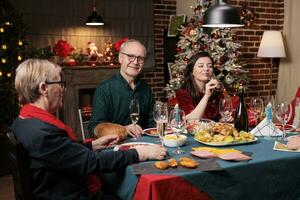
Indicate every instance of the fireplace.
{"type": "Point", "coordinates": [81, 83]}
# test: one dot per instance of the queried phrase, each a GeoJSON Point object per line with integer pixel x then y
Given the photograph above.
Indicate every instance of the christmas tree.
{"type": "Point", "coordinates": [12, 31]}
{"type": "Point", "coordinates": [220, 43]}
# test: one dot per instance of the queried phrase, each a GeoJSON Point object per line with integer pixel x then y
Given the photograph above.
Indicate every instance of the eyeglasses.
{"type": "Point", "coordinates": [132, 58]}
{"type": "Point", "coordinates": [62, 83]}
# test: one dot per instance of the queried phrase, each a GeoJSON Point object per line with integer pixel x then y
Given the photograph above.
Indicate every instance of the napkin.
{"type": "Point", "coordinates": [266, 128]}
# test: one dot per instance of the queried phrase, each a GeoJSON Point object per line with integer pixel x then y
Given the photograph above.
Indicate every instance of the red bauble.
{"type": "Point", "coordinates": [72, 62]}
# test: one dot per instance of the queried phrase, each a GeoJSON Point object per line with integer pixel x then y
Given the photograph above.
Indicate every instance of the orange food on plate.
{"type": "Point", "coordinates": [161, 165]}
{"type": "Point", "coordinates": [188, 162]}
{"type": "Point", "coordinates": [172, 163]}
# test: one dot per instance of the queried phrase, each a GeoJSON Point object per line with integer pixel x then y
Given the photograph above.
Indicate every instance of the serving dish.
{"type": "Point", "coordinates": [223, 144]}
{"type": "Point", "coordinates": [130, 145]}
{"type": "Point", "coordinates": [195, 125]}
{"type": "Point", "coordinates": [171, 140]}
{"type": "Point", "coordinates": [153, 132]}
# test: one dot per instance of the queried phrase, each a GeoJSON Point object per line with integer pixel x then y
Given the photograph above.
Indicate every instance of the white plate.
{"type": "Point", "coordinates": [129, 145]}
{"type": "Point", "coordinates": [149, 130]}
{"type": "Point", "coordinates": [226, 144]}
{"type": "Point", "coordinates": [284, 148]}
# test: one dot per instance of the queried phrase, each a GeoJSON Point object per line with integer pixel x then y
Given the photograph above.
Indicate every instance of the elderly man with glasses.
{"type": "Point", "coordinates": [112, 97]}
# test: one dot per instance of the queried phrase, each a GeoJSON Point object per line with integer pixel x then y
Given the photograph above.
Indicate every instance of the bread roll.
{"type": "Point", "coordinates": [109, 129]}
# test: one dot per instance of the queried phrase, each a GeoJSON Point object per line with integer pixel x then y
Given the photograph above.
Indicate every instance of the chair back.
{"type": "Point", "coordinates": [84, 120]}
{"type": "Point", "coordinates": [19, 164]}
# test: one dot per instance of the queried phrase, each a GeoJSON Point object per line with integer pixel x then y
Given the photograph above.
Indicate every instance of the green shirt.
{"type": "Point", "coordinates": [111, 103]}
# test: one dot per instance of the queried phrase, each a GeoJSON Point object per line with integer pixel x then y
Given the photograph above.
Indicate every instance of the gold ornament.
{"type": "Point", "coordinates": [0, 73]}
{"type": "Point", "coordinates": [1, 30]}
{"type": "Point", "coordinates": [19, 58]}
{"type": "Point", "coordinates": [20, 43]}
{"type": "Point", "coordinates": [4, 46]}
{"type": "Point", "coordinates": [9, 75]}
{"type": "Point", "coordinates": [3, 60]}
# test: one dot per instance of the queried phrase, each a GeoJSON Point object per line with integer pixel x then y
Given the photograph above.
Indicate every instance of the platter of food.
{"type": "Point", "coordinates": [130, 145]}
{"type": "Point", "coordinates": [153, 132]}
{"type": "Point", "coordinates": [222, 134]}
{"type": "Point", "coordinates": [196, 125]}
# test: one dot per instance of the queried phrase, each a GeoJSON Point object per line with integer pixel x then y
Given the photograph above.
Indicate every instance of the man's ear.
{"type": "Point", "coordinates": [43, 89]}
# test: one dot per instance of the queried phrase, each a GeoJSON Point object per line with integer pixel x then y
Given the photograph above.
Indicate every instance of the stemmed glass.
{"type": "Point", "coordinates": [134, 108]}
{"type": "Point", "coordinates": [177, 122]}
{"type": "Point", "coordinates": [283, 114]}
{"type": "Point", "coordinates": [225, 108]}
{"type": "Point", "coordinates": [160, 115]}
{"type": "Point", "coordinates": [257, 105]}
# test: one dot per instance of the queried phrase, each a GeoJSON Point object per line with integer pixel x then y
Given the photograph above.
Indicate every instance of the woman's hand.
{"type": "Point", "coordinates": [151, 152]}
{"type": "Point", "coordinates": [134, 130]}
{"type": "Point", "coordinates": [105, 141]}
{"type": "Point", "coordinates": [210, 86]}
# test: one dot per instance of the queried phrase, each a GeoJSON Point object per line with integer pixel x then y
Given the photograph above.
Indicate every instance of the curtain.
{"type": "Point", "coordinates": [289, 68]}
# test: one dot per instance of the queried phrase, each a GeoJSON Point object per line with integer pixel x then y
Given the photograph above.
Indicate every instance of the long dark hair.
{"type": "Point", "coordinates": [189, 82]}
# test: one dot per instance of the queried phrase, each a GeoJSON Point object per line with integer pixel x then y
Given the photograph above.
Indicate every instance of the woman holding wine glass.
{"type": "Point", "coordinates": [200, 94]}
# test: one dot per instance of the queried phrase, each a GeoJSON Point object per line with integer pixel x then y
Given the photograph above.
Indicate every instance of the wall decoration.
{"type": "Point", "coordinates": [174, 24]}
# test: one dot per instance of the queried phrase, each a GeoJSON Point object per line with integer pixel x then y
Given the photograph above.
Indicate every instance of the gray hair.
{"type": "Point", "coordinates": [123, 46]}
{"type": "Point", "coordinates": [29, 75]}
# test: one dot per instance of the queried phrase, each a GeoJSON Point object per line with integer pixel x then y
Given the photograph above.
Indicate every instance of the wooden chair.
{"type": "Point", "coordinates": [19, 164]}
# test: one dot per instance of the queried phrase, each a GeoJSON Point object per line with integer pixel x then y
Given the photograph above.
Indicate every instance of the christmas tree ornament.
{"type": "Point", "coordinates": [20, 42]}
{"type": "Point", "coordinates": [3, 60]}
{"type": "Point", "coordinates": [8, 75]}
{"type": "Point", "coordinates": [4, 46]}
{"type": "Point", "coordinates": [1, 30]}
{"type": "Point", "coordinates": [229, 79]}
{"type": "Point", "coordinates": [19, 58]}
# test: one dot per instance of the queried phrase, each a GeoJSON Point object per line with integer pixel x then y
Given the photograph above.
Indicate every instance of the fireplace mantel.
{"type": "Point", "coordinates": [81, 78]}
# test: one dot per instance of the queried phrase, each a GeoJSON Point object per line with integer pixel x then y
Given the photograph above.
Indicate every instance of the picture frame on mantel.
{"type": "Point", "coordinates": [174, 23]}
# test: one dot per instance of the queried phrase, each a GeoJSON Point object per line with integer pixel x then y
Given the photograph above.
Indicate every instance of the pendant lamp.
{"type": "Point", "coordinates": [94, 19]}
{"type": "Point", "coordinates": [222, 15]}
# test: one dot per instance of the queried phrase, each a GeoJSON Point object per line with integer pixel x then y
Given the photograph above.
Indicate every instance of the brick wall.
{"type": "Point", "coordinates": [162, 11]}
{"type": "Point", "coordinates": [270, 15]}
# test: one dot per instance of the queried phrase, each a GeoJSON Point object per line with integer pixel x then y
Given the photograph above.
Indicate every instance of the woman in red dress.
{"type": "Point", "coordinates": [198, 96]}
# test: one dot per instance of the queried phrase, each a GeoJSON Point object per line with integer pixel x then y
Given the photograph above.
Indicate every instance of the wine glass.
{"type": "Point", "coordinates": [219, 86]}
{"type": "Point", "coordinates": [177, 122]}
{"type": "Point", "coordinates": [160, 115]}
{"type": "Point", "coordinates": [257, 106]}
{"type": "Point", "coordinates": [225, 108]}
{"type": "Point", "coordinates": [283, 114]}
{"type": "Point", "coordinates": [134, 108]}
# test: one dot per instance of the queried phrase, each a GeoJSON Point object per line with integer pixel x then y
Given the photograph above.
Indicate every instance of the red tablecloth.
{"type": "Point", "coordinates": [156, 187]}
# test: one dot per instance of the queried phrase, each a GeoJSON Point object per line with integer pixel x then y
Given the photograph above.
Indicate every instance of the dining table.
{"type": "Point", "coordinates": [270, 174]}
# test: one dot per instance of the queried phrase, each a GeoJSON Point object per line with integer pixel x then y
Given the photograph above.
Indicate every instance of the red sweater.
{"type": "Point", "coordinates": [186, 103]}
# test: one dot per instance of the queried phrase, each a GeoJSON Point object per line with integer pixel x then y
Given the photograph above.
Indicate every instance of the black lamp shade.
{"type": "Point", "coordinates": [94, 20]}
{"type": "Point", "coordinates": [222, 15]}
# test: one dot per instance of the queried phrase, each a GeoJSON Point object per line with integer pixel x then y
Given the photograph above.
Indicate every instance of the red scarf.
{"type": "Point", "coordinates": [31, 111]}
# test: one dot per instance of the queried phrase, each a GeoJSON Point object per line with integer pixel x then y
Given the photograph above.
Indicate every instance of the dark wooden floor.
{"type": "Point", "coordinates": [6, 188]}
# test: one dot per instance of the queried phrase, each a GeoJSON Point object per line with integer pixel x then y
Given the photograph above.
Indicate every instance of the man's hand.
{"type": "Point", "coordinates": [105, 141]}
{"type": "Point", "coordinates": [134, 130]}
